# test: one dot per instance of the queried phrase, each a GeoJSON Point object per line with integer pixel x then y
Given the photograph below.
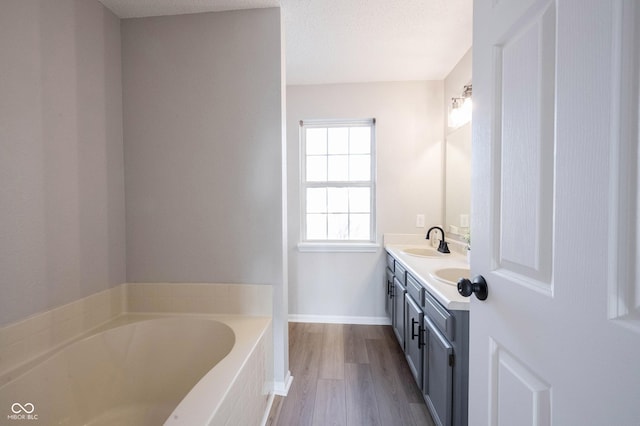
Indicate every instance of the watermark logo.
{"type": "Point", "coordinates": [18, 408]}
{"type": "Point", "coordinates": [22, 411]}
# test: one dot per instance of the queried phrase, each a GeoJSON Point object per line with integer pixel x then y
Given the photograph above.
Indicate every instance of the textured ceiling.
{"type": "Point", "coordinates": [141, 8]}
{"type": "Point", "coordinates": [338, 41]}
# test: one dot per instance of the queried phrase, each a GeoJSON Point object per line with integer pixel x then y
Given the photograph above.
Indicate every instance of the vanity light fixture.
{"type": "Point", "coordinates": [460, 113]}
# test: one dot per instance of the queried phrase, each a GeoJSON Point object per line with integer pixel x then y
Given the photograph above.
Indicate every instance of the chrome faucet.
{"type": "Point", "coordinates": [443, 247]}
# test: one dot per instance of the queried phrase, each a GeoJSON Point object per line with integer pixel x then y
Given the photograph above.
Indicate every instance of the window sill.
{"type": "Point", "coordinates": [338, 247]}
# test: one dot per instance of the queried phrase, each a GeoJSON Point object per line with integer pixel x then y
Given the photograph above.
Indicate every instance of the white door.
{"type": "Point", "coordinates": [555, 213]}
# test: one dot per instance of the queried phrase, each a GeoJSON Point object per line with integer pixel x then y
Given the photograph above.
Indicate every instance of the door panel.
{"type": "Point", "coordinates": [514, 385]}
{"type": "Point", "coordinates": [524, 141]}
{"type": "Point", "coordinates": [624, 230]}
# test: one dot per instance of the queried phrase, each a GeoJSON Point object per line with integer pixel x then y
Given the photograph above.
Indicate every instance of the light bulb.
{"type": "Point", "coordinates": [465, 111]}
{"type": "Point", "coordinates": [454, 117]}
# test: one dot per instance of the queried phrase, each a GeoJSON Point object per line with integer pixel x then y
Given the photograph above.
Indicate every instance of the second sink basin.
{"type": "Point", "coordinates": [423, 252]}
{"type": "Point", "coordinates": [450, 275]}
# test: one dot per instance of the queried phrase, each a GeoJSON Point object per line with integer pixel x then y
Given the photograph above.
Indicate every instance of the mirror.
{"type": "Point", "coordinates": [458, 180]}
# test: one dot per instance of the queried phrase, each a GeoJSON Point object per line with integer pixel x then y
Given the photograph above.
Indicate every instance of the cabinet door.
{"type": "Point", "coordinates": [438, 372]}
{"type": "Point", "coordinates": [413, 343]}
{"type": "Point", "coordinates": [398, 310]}
{"type": "Point", "coordinates": [388, 298]}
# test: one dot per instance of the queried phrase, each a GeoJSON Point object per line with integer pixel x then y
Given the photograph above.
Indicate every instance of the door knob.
{"type": "Point", "coordinates": [477, 286]}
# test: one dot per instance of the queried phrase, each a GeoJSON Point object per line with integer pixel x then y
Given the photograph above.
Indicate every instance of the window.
{"type": "Point", "coordinates": [338, 181]}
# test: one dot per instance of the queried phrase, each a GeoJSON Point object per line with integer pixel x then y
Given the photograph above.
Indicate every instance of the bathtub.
{"type": "Point", "coordinates": [143, 369]}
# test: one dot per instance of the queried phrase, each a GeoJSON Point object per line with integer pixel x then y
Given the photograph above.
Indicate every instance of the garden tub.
{"type": "Point", "coordinates": [148, 370]}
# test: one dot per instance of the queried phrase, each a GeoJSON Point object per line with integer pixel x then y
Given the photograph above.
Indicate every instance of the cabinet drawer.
{"type": "Point", "coordinates": [390, 262]}
{"type": "Point", "coordinates": [414, 289]}
{"type": "Point", "coordinates": [400, 273]}
{"type": "Point", "coordinates": [439, 315]}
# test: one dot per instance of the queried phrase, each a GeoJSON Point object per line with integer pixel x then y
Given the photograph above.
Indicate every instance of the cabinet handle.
{"type": "Point", "coordinates": [413, 329]}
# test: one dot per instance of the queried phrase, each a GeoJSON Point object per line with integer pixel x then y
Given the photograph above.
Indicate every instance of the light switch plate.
{"type": "Point", "coordinates": [420, 221]}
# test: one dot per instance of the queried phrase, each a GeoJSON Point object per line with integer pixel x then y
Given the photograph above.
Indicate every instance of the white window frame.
{"type": "Point", "coordinates": [370, 245]}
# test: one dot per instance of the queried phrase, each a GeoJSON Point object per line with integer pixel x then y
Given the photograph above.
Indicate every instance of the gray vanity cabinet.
{"type": "Point", "coordinates": [435, 341]}
{"type": "Point", "coordinates": [438, 374]}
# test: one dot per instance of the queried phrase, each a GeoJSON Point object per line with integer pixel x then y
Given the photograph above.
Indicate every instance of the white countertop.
{"type": "Point", "coordinates": [421, 267]}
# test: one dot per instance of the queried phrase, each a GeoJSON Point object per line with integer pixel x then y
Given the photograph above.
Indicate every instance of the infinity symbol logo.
{"type": "Point", "coordinates": [18, 408]}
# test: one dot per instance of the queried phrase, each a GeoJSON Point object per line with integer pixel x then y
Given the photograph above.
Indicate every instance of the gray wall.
{"type": "Point", "coordinates": [203, 130]}
{"type": "Point", "coordinates": [409, 134]}
{"type": "Point", "coordinates": [62, 224]}
{"type": "Point", "coordinates": [203, 138]}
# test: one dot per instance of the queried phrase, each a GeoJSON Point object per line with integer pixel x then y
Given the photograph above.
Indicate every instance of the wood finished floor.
{"type": "Point", "coordinates": [354, 375]}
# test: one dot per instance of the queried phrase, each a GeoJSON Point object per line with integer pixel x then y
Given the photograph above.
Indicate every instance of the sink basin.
{"type": "Point", "coordinates": [450, 275]}
{"type": "Point", "coordinates": [423, 252]}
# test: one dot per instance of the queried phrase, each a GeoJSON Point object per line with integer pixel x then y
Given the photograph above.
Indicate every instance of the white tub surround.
{"type": "Point", "coordinates": [30, 341]}
{"type": "Point", "coordinates": [421, 268]}
{"type": "Point", "coordinates": [237, 299]}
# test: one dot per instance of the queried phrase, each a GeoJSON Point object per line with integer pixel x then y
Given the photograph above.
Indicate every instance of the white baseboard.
{"type": "Point", "coordinates": [265, 416]}
{"type": "Point", "coordinates": [336, 319]}
{"type": "Point", "coordinates": [282, 388]}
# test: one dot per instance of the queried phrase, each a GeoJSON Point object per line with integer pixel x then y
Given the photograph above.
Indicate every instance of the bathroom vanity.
{"type": "Point", "coordinates": [431, 322]}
